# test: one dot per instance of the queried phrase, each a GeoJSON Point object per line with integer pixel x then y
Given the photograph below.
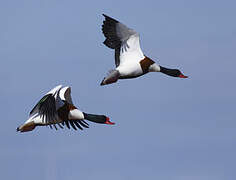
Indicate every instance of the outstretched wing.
{"type": "Point", "coordinates": [124, 40]}
{"type": "Point", "coordinates": [46, 107]}
{"type": "Point", "coordinates": [53, 91]}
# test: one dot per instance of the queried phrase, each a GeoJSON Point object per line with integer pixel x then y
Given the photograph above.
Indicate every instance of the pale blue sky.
{"type": "Point", "coordinates": [166, 128]}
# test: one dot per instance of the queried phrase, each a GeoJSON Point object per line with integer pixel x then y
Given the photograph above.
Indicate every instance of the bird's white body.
{"type": "Point", "coordinates": [76, 114]}
{"type": "Point", "coordinates": [131, 69]}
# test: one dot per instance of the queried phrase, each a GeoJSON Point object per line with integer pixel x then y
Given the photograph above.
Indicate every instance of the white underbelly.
{"type": "Point", "coordinates": [130, 69]}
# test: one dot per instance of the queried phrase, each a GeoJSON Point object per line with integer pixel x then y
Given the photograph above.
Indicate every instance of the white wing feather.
{"type": "Point", "coordinates": [130, 50]}
{"type": "Point", "coordinates": [130, 44]}
{"type": "Point", "coordinates": [65, 94]}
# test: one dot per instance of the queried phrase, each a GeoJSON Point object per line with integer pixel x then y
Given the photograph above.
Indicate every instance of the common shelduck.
{"type": "Point", "coordinates": [56, 108]}
{"type": "Point", "coordinates": [129, 59]}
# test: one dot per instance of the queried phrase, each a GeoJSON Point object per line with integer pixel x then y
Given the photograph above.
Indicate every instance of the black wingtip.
{"type": "Point", "coordinates": [106, 16]}
{"type": "Point", "coordinates": [110, 18]}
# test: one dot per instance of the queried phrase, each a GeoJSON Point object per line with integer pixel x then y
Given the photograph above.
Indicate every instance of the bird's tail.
{"type": "Point", "coordinates": [112, 77]}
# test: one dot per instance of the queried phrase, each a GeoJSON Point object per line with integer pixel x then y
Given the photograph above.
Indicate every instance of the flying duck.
{"type": "Point", "coordinates": [57, 108]}
{"type": "Point", "coordinates": [129, 59]}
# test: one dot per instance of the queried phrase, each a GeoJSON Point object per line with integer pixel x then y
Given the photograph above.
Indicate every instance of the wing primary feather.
{"type": "Point", "coordinates": [117, 56]}
{"type": "Point", "coordinates": [50, 126]}
{"type": "Point", "coordinates": [72, 124]}
{"type": "Point", "coordinates": [77, 124]}
{"type": "Point", "coordinates": [107, 17]}
{"type": "Point", "coordinates": [40, 101]}
{"type": "Point", "coordinates": [113, 41]}
{"type": "Point", "coordinates": [60, 126]}
{"type": "Point", "coordinates": [43, 119]}
{"type": "Point", "coordinates": [54, 125]}
{"type": "Point", "coordinates": [83, 124]}
{"type": "Point", "coordinates": [67, 124]}
{"type": "Point", "coordinates": [46, 108]}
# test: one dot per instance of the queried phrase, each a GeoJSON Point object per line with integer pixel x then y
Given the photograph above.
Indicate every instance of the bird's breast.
{"type": "Point", "coordinates": [145, 64]}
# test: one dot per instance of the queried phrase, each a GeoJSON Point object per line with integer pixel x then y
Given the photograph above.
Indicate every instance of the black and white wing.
{"type": "Point", "coordinates": [65, 94]}
{"type": "Point", "coordinates": [54, 106]}
{"type": "Point", "coordinates": [46, 107]}
{"type": "Point", "coordinates": [124, 40]}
